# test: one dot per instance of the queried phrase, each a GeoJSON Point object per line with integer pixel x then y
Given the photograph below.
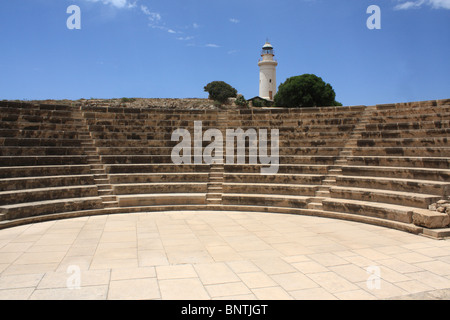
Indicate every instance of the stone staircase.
{"type": "Point", "coordinates": [216, 174]}
{"type": "Point", "coordinates": [323, 191]}
{"type": "Point", "coordinates": [105, 188]}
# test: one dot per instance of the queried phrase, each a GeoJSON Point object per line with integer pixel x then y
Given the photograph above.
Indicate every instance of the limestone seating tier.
{"type": "Point", "coordinates": [270, 188]}
{"type": "Point", "coordinates": [166, 151]}
{"type": "Point", "coordinates": [230, 123]}
{"type": "Point", "coordinates": [410, 199]}
{"type": "Point", "coordinates": [155, 168]}
{"type": "Point", "coordinates": [266, 200]}
{"type": "Point", "coordinates": [413, 125]}
{"type": "Point", "coordinates": [405, 142]}
{"type": "Point", "coordinates": [49, 207]}
{"type": "Point", "coordinates": [386, 183]}
{"type": "Point", "coordinates": [403, 151]}
{"type": "Point", "coordinates": [442, 175]}
{"type": "Point", "coordinates": [38, 134]}
{"type": "Point", "coordinates": [373, 209]}
{"type": "Point", "coordinates": [6, 161]}
{"type": "Point", "coordinates": [49, 193]}
{"type": "Point", "coordinates": [168, 130]}
{"type": "Point", "coordinates": [400, 161]}
{"type": "Point", "coordinates": [103, 138]}
{"type": "Point", "coordinates": [40, 151]}
{"type": "Point", "coordinates": [31, 182]}
{"type": "Point", "coordinates": [408, 117]}
{"type": "Point", "coordinates": [444, 109]}
{"type": "Point", "coordinates": [35, 171]}
{"type": "Point", "coordinates": [289, 178]}
{"type": "Point", "coordinates": [405, 133]}
{"type": "Point", "coordinates": [155, 144]}
{"type": "Point", "coordinates": [282, 168]}
{"type": "Point", "coordinates": [166, 159]}
{"type": "Point", "coordinates": [160, 187]}
{"type": "Point", "coordinates": [144, 200]}
{"type": "Point", "coordinates": [168, 177]}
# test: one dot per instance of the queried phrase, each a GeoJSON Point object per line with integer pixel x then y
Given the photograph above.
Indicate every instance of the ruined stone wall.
{"type": "Point", "coordinates": [144, 103]}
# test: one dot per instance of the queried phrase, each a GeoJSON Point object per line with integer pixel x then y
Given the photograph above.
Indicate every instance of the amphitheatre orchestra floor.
{"type": "Point", "coordinates": [219, 255]}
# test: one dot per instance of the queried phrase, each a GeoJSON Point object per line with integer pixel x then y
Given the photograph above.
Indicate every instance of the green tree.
{"type": "Point", "coordinates": [220, 91]}
{"type": "Point", "coordinates": [307, 90]}
{"type": "Point", "coordinates": [240, 101]}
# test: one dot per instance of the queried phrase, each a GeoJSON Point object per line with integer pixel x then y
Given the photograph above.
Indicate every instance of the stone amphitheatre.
{"type": "Point", "coordinates": [383, 165]}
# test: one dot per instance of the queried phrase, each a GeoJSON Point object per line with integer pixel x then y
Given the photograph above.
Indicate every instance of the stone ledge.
{"type": "Point", "coordinates": [435, 233]}
{"type": "Point", "coordinates": [442, 233]}
{"type": "Point", "coordinates": [430, 219]}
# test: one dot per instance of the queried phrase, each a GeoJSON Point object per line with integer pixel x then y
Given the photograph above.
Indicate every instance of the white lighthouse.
{"type": "Point", "coordinates": [267, 73]}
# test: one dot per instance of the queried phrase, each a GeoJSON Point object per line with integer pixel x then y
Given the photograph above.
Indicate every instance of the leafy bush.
{"type": "Point", "coordinates": [240, 101]}
{"type": "Point", "coordinates": [124, 100]}
{"type": "Point", "coordinates": [260, 103]}
{"type": "Point", "coordinates": [220, 91]}
{"type": "Point", "coordinates": [307, 90]}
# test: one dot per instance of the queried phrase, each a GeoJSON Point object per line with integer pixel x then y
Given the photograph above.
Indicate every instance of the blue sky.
{"type": "Point", "coordinates": [173, 48]}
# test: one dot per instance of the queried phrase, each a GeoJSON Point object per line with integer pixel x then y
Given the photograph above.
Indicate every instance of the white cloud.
{"type": "Point", "coordinates": [185, 38]}
{"type": "Point", "coordinates": [212, 45]}
{"type": "Point", "coordinates": [233, 20]}
{"type": "Point", "coordinates": [195, 25]}
{"type": "Point", "coordinates": [435, 4]}
{"type": "Point", "coordinates": [444, 4]}
{"type": "Point", "coordinates": [117, 3]}
{"type": "Point", "coordinates": [171, 31]}
{"type": "Point", "coordinates": [152, 16]}
{"type": "Point", "coordinates": [409, 5]}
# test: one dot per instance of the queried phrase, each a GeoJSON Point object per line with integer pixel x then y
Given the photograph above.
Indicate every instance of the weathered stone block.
{"type": "Point", "coordinates": [430, 219]}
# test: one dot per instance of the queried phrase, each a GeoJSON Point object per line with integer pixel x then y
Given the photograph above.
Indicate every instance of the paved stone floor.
{"type": "Point", "coordinates": [219, 255]}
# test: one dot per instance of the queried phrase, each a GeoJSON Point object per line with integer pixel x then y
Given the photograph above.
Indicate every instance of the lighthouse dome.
{"type": "Point", "coordinates": [267, 46]}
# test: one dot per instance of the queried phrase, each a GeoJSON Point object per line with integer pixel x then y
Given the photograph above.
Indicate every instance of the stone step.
{"type": "Point", "coordinates": [323, 193]}
{"type": "Point", "coordinates": [329, 182]}
{"type": "Point", "coordinates": [266, 200]}
{"type": "Point", "coordinates": [418, 200]}
{"type": "Point", "coordinates": [315, 206]}
{"type": "Point", "coordinates": [160, 187]}
{"type": "Point", "coordinates": [404, 214]}
{"type": "Point", "coordinates": [111, 204]}
{"type": "Point", "coordinates": [100, 182]}
{"type": "Point", "coordinates": [108, 198]}
{"type": "Point", "coordinates": [161, 199]}
{"type": "Point", "coordinates": [214, 194]}
{"type": "Point", "coordinates": [37, 208]}
{"type": "Point", "coordinates": [335, 171]}
{"type": "Point", "coordinates": [216, 175]}
{"type": "Point", "coordinates": [105, 192]}
{"type": "Point", "coordinates": [212, 188]}
{"type": "Point", "coordinates": [441, 188]}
